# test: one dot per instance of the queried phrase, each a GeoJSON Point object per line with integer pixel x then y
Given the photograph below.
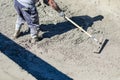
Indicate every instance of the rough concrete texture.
{"type": "Point", "coordinates": [65, 53]}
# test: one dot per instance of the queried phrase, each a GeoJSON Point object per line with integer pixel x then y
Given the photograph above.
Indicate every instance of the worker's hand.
{"type": "Point", "coordinates": [61, 14]}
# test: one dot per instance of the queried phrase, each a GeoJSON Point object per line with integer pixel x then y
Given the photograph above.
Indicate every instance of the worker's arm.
{"type": "Point", "coordinates": [54, 5]}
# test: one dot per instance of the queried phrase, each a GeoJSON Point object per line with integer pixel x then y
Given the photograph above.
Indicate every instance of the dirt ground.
{"type": "Point", "coordinates": [65, 53]}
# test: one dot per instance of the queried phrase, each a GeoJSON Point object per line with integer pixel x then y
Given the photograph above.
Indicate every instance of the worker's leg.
{"type": "Point", "coordinates": [32, 19]}
{"type": "Point", "coordinates": [30, 15]}
{"type": "Point", "coordinates": [19, 22]}
{"type": "Point", "coordinates": [20, 19]}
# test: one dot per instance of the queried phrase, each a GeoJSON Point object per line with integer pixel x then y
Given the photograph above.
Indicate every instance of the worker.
{"type": "Point", "coordinates": [27, 12]}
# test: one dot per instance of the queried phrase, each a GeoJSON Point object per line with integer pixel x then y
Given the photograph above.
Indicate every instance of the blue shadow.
{"type": "Point", "coordinates": [85, 21]}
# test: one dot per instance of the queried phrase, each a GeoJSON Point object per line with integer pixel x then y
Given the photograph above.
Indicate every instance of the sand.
{"type": "Point", "coordinates": [65, 53]}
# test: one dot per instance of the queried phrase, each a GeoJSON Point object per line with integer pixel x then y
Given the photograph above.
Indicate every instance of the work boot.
{"type": "Point", "coordinates": [36, 38]}
{"type": "Point", "coordinates": [16, 34]}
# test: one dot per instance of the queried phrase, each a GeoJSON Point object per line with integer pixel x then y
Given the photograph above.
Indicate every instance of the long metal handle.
{"type": "Point", "coordinates": [81, 29]}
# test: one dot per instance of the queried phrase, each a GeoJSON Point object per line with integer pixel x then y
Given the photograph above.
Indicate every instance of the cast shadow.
{"type": "Point", "coordinates": [86, 21]}
{"type": "Point", "coordinates": [28, 61]}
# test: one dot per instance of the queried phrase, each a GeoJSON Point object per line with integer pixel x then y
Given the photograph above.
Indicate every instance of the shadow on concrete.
{"type": "Point", "coordinates": [35, 66]}
{"type": "Point", "coordinates": [83, 21]}
{"type": "Point", "coordinates": [86, 21]}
